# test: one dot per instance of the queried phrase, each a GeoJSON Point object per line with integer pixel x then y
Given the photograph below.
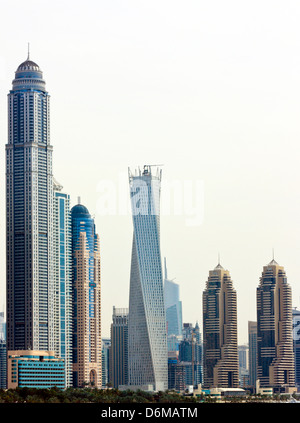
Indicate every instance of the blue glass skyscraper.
{"type": "Point", "coordinates": [173, 306]}
{"type": "Point", "coordinates": [29, 205]}
{"type": "Point", "coordinates": [147, 337]}
{"type": "Point", "coordinates": [63, 278]}
{"type": "Point", "coordinates": [86, 290]}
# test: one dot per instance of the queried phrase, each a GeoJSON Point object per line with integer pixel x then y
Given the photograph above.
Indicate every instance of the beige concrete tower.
{"type": "Point", "coordinates": [220, 347]}
{"type": "Point", "coordinates": [87, 363]}
{"type": "Point", "coordinates": [275, 357]}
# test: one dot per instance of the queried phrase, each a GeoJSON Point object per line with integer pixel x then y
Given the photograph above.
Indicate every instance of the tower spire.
{"type": "Point", "coordinates": [28, 51]}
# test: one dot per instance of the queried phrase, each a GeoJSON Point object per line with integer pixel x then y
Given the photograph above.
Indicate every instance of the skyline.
{"type": "Point", "coordinates": [219, 83]}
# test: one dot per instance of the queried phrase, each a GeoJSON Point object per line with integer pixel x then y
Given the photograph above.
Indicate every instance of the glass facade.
{"type": "Point", "coordinates": [35, 369]}
{"type": "Point", "coordinates": [252, 332]}
{"type": "Point", "coordinates": [173, 306]}
{"type": "Point", "coordinates": [29, 199]}
{"type": "Point", "coordinates": [296, 345]}
{"type": "Point", "coordinates": [63, 278]}
{"type": "Point", "coordinates": [147, 345]}
{"type": "Point", "coordinates": [3, 383]}
{"type": "Point", "coordinates": [119, 347]}
{"type": "Point", "coordinates": [106, 346]}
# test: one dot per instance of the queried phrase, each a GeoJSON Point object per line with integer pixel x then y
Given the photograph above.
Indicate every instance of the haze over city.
{"type": "Point", "coordinates": [209, 90]}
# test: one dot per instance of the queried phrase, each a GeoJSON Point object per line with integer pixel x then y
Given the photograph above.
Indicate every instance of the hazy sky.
{"type": "Point", "coordinates": [209, 89]}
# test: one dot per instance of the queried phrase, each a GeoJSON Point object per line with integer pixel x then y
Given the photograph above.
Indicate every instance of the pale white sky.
{"type": "Point", "coordinates": [211, 90]}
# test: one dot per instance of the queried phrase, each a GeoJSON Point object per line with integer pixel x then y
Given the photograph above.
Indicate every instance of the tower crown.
{"type": "Point", "coordinates": [80, 211]}
{"type": "Point", "coordinates": [28, 65]}
{"type": "Point", "coordinates": [29, 76]}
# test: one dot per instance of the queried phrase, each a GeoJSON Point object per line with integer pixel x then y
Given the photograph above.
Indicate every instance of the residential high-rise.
{"type": "Point", "coordinates": [173, 306]}
{"type": "Point", "coordinates": [3, 352]}
{"type": "Point", "coordinates": [2, 326]}
{"type": "Point", "coordinates": [176, 373]}
{"type": "Point", "coordinates": [119, 347]}
{"type": "Point", "coordinates": [220, 349]}
{"type": "Point", "coordinates": [62, 250]}
{"type": "Point", "coordinates": [243, 351]}
{"type": "Point", "coordinates": [3, 364]}
{"type": "Point", "coordinates": [296, 344]}
{"type": "Point", "coordinates": [29, 205]}
{"type": "Point", "coordinates": [106, 346]}
{"type": "Point", "coordinates": [147, 343]}
{"type": "Point", "coordinates": [86, 288]}
{"type": "Point", "coordinates": [252, 333]}
{"type": "Point", "coordinates": [190, 354]}
{"type": "Point", "coordinates": [275, 357]}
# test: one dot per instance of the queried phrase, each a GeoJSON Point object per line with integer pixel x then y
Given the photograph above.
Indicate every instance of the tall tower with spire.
{"type": "Point", "coordinates": [275, 357]}
{"type": "Point", "coordinates": [29, 205]}
{"type": "Point", "coordinates": [220, 347]}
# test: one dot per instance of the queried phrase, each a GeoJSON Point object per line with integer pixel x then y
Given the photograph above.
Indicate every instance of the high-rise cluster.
{"type": "Point", "coordinates": [53, 257]}
{"type": "Point", "coordinates": [53, 334]}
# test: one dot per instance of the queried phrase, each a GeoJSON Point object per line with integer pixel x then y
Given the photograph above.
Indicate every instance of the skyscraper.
{"type": "Point", "coordinates": [29, 204]}
{"type": "Point", "coordinates": [86, 288]}
{"type": "Point", "coordinates": [119, 347]}
{"type": "Point", "coordinates": [3, 353]}
{"type": "Point", "coordinates": [2, 326]}
{"type": "Point", "coordinates": [190, 354]}
{"type": "Point", "coordinates": [243, 351]}
{"type": "Point", "coordinates": [220, 349]}
{"type": "Point", "coordinates": [173, 306]}
{"type": "Point", "coordinates": [62, 249]}
{"type": "Point", "coordinates": [147, 344]}
{"type": "Point", "coordinates": [105, 346]}
{"type": "Point", "coordinates": [296, 344]}
{"type": "Point", "coordinates": [275, 357]}
{"type": "Point", "coordinates": [252, 333]}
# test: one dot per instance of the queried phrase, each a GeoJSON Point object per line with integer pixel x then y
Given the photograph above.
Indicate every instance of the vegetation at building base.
{"type": "Point", "coordinates": [89, 395]}
{"type": "Point", "coordinates": [94, 395]}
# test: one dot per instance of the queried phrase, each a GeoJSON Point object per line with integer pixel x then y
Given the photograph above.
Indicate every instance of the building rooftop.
{"type": "Point", "coordinates": [28, 65]}
{"type": "Point", "coordinates": [80, 211]}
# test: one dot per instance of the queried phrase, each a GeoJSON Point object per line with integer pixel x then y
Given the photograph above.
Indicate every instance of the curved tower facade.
{"type": "Point", "coordinates": [275, 356]}
{"type": "Point", "coordinates": [29, 223]}
{"type": "Point", "coordinates": [86, 290]}
{"type": "Point", "coordinates": [147, 336]}
{"type": "Point", "coordinates": [220, 349]}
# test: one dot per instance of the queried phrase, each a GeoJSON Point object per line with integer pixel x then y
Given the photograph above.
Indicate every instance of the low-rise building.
{"type": "Point", "coordinates": [34, 369]}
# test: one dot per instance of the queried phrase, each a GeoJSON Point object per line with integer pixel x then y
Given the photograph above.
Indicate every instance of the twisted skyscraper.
{"type": "Point", "coordinates": [147, 337]}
